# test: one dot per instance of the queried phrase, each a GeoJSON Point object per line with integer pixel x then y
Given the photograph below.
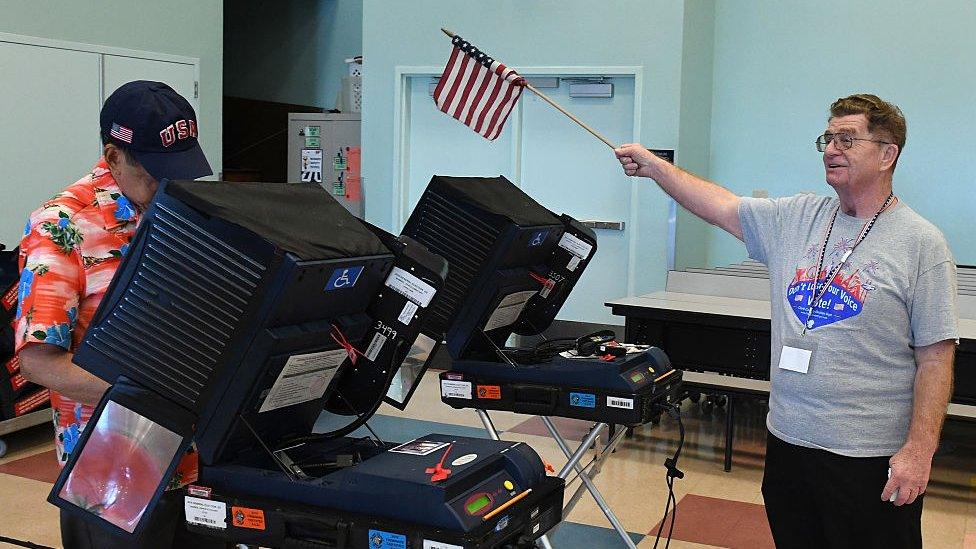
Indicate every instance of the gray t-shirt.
{"type": "Point", "coordinates": [896, 291]}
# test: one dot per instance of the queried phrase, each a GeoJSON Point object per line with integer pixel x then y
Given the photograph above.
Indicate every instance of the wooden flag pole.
{"type": "Point", "coordinates": [543, 96]}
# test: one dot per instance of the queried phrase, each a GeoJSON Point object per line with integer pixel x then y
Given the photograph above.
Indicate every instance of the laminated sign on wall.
{"type": "Point", "coordinates": [312, 165]}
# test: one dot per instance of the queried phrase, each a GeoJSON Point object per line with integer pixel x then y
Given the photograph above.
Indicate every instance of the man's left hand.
{"type": "Point", "coordinates": [910, 469]}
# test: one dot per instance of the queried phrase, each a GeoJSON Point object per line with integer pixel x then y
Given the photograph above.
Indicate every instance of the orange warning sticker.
{"type": "Point", "coordinates": [490, 391]}
{"type": "Point", "coordinates": [245, 517]}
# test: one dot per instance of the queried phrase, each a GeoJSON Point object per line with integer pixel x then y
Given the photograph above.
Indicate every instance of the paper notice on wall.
{"type": "Point", "coordinates": [354, 187]}
{"type": "Point", "coordinates": [509, 309]}
{"type": "Point", "coordinates": [304, 378]}
{"type": "Point", "coordinates": [353, 160]}
{"type": "Point", "coordinates": [312, 165]}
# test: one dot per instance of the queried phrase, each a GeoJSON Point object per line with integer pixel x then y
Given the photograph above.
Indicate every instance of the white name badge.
{"type": "Point", "coordinates": [797, 354]}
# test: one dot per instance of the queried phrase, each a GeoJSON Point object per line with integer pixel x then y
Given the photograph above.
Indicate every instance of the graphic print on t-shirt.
{"type": "Point", "coordinates": [846, 295]}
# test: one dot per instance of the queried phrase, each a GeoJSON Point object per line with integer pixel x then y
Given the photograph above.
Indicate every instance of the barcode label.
{"type": "Point", "coordinates": [456, 389]}
{"type": "Point", "coordinates": [411, 287]}
{"type": "Point", "coordinates": [375, 346]}
{"type": "Point", "coordinates": [205, 512]}
{"type": "Point", "coordinates": [575, 246]}
{"type": "Point", "coordinates": [430, 544]}
{"type": "Point", "coordinates": [617, 402]}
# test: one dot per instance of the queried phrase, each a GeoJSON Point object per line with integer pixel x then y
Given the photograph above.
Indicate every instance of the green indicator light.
{"type": "Point", "coordinates": [637, 377]}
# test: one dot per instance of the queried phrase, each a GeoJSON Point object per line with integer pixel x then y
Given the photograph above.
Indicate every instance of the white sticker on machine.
{"type": "Point", "coordinates": [617, 402]}
{"type": "Point", "coordinates": [575, 246]}
{"type": "Point", "coordinates": [509, 309]}
{"type": "Point", "coordinates": [456, 389]}
{"type": "Point", "coordinates": [429, 544]}
{"type": "Point", "coordinates": [375, 346]}
{"type": "Point", "coordinates": [205, 512]}
{"type": "Point", "coordinates": [410, 286]}
{"type": "Point", "coordinates": [304, 378]}
{"type": "Point", "coordinates": [573, 263]}
{"type": "Point", "coordinates": [406, 315]}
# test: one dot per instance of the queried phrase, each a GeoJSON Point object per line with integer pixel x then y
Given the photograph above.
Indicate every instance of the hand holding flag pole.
{"type": "Point", "coordinates": [481, 92]}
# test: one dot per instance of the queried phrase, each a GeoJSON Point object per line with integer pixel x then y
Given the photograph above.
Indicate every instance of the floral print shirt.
{"type": "Point", "coordinates": [71, 248]}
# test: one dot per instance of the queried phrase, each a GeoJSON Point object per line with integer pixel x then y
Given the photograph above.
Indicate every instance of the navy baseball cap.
{"type": "Point", "coordinates": [158, 126]}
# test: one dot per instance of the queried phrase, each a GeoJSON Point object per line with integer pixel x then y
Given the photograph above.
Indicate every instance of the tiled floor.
{"type": "Point", "coordinates": [715, 508]}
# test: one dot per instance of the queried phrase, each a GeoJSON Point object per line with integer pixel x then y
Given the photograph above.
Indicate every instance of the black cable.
{"type": "Point", "coordinates": [671, 474]}
{"type": "Point", "coordinates": [361, 418]}
{"type": "Point", "coordinates": [547, 349]}
{"type": "Point", "coordinates": [20, 543]}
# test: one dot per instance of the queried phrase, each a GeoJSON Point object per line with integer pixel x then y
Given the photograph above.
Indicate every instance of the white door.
{"type": "Point", "coordinates": [570, 171]}
{"type": "Point", "coordinates": [49, 103]}
{"type": "Point", "coordinates": [437, 144]}
{"type": "Point", "coordinates": [179, 76]}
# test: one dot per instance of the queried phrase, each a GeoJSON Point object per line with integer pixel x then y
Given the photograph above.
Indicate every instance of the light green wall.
{"type": "Point", "coordinates": [779, 65]}
{"type": "Point", "coordinates": [541, 33]}
{"type": "Point", "coordinates": [291, 52]}
{"type": "Point", "coordinates": [191, 28]}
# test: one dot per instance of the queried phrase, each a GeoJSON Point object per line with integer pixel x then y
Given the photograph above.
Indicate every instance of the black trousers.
{"type": "Point", "coordinates": [819, 499]}
{"type": "Point", "coordinates": [166, 529]}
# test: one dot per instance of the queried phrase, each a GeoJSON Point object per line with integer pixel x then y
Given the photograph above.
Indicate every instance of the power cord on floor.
{"type": "Point", "coordinates": [671, 474]}
{"type": "Point", "coordinates": [20, 543]}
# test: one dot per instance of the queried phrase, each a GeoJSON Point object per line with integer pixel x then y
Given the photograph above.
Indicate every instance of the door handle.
{"type": "Point", "coordinates": [608, 225]}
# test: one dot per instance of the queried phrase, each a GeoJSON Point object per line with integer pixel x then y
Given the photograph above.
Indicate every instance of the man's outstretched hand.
{"type": "Point", "coordinates": [636, 159]}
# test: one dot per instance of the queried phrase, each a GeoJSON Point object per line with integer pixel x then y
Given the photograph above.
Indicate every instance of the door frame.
{"type": "Point", "coordinates": [401, 143]}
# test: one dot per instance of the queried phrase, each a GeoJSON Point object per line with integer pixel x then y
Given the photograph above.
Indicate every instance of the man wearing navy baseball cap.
{"type": "Point", "coordinates": [72, 246]}
{"type": "Point", "coordinates": [150, 123]}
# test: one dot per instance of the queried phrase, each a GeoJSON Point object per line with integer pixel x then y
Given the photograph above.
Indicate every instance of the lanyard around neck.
{"type": "Point", "coordinates": [819, 291]}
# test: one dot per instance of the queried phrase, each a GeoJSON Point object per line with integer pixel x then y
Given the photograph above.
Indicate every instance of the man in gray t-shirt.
{"type": "Point", "coordinates": [864, 326]}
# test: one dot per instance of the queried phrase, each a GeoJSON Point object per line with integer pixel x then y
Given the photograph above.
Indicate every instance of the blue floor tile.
{"type": "Point", "coordinates": [398, 429]}
{"type": "Point", "coordinates": [571, 535]}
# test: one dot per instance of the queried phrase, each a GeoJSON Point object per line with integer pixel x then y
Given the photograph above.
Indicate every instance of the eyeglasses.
{"type": "Point", "coordinates": [842, 141]}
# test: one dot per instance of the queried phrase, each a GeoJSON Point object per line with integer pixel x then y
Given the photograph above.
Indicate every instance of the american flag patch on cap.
{"type": "Point", "coordinates": [121, 133]}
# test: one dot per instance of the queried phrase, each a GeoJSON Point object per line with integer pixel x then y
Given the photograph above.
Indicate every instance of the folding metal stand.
{"type": "Point", "coordinates": [586, 473]}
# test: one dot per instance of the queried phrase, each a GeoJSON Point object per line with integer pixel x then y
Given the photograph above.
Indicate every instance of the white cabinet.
{"type": "Point", "coordinates": [180, 76]}
{"type": "Point", "coordinates": [51, 93]}
{"type": "Point", "coordinates": [48, 134]}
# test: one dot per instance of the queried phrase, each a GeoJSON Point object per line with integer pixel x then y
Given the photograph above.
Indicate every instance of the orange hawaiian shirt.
{"type": "Point", "coordinates": [71, 248]}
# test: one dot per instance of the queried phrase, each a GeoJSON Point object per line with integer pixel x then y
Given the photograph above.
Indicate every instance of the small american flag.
{"type": "Point", "coordinates": [477, 90]}
{"type": "Point", "coordinates": [121, 133]}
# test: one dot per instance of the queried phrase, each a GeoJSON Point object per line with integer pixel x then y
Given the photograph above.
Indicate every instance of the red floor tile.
{"type": "Point", "coordinates": [720, 522]}
{"type": "Point", "coordinates": [42, 467]}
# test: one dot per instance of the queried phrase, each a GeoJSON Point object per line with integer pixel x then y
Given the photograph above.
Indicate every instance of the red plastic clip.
{"type": "Point", "coordinates": [438, 472]}
{"type": "Point", "coordinates": [340, 338]}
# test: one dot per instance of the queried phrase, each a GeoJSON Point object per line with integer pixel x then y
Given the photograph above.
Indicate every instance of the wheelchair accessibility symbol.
{"type": "Point", "coordinates": [538, 238]}
{"type": "Point", "coordinates": [343, 277]}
